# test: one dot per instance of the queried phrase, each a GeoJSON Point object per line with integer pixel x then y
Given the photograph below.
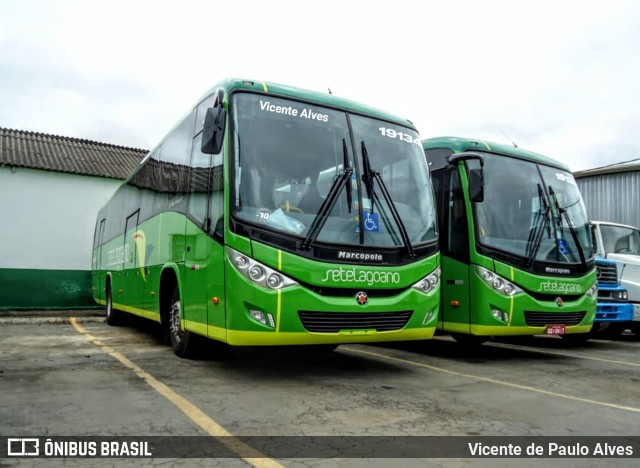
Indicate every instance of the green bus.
{"type": "Point", "coordinates": [517, 254]}
{"type": "Point", "coordinates": [272, 215]}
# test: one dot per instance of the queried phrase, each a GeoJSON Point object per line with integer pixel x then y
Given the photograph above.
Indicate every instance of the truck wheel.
{"type": "Point", "coordinates": [614, 330]}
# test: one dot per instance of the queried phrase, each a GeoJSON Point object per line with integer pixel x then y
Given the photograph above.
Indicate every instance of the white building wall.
{"type": "Point", "coordinates": [47, 218]}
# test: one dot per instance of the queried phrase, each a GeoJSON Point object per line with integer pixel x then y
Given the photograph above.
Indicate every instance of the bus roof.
{"type": "Point", "coordinates": [461, 145]}
{"type": "Point", "coordinates": [330, 100]}
{"type": "Point", "coordinates": [239, 84]}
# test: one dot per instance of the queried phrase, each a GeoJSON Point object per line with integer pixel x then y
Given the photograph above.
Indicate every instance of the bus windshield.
{"type": "Point", "coordinates": [288, 156]}
{"type": "Point", "coordinates": [532, 211]}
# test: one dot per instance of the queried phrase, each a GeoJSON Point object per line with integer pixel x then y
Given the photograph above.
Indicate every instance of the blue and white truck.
{"type": "Point", "coordinates": [620, 243]}
{"type": "Point", "coordinates": [614, 312]}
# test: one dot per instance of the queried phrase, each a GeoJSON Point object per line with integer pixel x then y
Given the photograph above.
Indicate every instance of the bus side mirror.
{"type": "Point", "coordinates": [213, 130]}
{"type": "Point", "coordinates": [476, 185]}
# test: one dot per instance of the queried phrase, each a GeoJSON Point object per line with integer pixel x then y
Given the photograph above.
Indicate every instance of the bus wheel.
{"type": "Point", "coordinates": [182, 341]}
{"type": "Point", "coordinates": [113, 317]}
{"type": "Point", "coordinates": [469, 341]}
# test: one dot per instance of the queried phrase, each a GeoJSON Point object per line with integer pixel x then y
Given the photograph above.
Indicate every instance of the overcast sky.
{"type": "Point", "coordinates": [557, 77]}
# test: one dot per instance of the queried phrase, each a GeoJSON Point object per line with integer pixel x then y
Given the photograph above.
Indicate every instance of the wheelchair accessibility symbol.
{"type": "Point", "coordinates": [371, 223]}
{"type": "Point", "coordinates": [563, 248]}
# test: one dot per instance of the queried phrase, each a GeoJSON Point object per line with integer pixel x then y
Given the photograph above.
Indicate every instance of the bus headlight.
{"type": "Point", "coordinates": [593, 290]}
{"type": "Point", "coordinates": [241, 262]}
{"type": "Point", "coordinates": [274, 280]}
{"type": "Point", "coordinates": [429, 282]}
{"type": "Point", "coordinates": [497, 282]}
{"type": "Point", "coordinates": [265, 318]}
{"type": "Point", "coordinates": [258, 273]}
{"type": "Point", "coordinates": [500, 315]}
{"type": "Point", "coordinates": [429, 315]}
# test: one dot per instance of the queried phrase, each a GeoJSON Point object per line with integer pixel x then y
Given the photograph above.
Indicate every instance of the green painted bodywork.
{"type": "Point", "coordinates": [467, 301]}
{"type": "Point", "coordinates": [476, 300]}
{"type": "Point", "coordinates": [203, 272]}
{"type": "Point", "coordinates": [216, 298]}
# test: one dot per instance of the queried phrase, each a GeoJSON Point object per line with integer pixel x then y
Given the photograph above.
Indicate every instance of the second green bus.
{"type": "Point", "coordinates": [517, 255]}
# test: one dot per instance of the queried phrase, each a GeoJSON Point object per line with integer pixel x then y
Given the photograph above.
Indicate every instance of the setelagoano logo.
{"type": "Point", "coordinates": [553, 287]}
{"type": "Point", "coordinates": [367, 277]}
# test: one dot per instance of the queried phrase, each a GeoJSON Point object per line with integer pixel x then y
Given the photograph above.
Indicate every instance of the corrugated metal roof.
{"type": "Point", "coordinates": [65, 154]}
{"type": "Point", "coordinates": [626, 166]}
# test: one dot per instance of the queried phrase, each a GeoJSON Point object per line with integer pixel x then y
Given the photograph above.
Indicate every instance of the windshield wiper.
{"type": "Point", "coordinates": [344, 178]}
{"type": "Point", "coordinates": [369, 177]}
{"type": "Point", "coordinates": [541, 221]}
{"type": "Point", "coordinates": [346, 165]}
{"type": "Point", "coordinates": [563, 212]}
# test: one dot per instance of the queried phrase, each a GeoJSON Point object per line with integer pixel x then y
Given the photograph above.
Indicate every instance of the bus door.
{"type": "Point", "coordinates": [203, 292]}
{"type": "Point", "coordinates": [98, 280]}
{"type": "Point", "coordinates": [456, 301]}
{"type": "Point", "coordinates": [134, 288]}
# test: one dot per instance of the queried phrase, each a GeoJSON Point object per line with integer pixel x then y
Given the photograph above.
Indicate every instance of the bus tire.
{"type": "Point", "coordinates": [112, 316]}
{"type": "Point", "coordinates": [183, 342]}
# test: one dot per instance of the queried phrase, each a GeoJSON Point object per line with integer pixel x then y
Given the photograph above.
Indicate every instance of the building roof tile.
{"type": "Point", "coordinates": [65, 154]}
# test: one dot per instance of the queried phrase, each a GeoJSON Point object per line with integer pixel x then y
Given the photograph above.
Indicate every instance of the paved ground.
{"type": "Point", "coordinates": [64, 375]}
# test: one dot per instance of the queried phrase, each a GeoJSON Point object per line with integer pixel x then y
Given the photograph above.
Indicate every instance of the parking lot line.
{"type": "Point", "coordinates": [194, 413]}
{"type": "Point", "coordinates": [493, 381]}
{"type": "Point", "coordinates": [564, 354]}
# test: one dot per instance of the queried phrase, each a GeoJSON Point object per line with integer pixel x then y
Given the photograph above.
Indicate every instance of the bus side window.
{"type": "Point", "coordinates": [98, 234]}
{"type": "Point", "coordinates": [206, 194]}
{"type": "Point", "coordinates": [457, 226]}
{"type": "Point", "coordinates": [437, 160]}
{"type": "Point", "coordinates": [175, 154]}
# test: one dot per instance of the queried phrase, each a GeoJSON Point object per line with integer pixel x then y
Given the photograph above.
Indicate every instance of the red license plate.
{"type": "Point", "coordinates": [556, 329]}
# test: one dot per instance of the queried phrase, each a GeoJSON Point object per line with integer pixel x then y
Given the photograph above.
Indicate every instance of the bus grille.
{"type": "Point", "coordinates": [540, 319]}
{"type": "Point", "coordinates": [333, 322]}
